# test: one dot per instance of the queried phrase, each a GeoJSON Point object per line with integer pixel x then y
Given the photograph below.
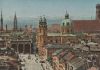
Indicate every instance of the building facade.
{"type": "Point", "coordinates": [65, 36]}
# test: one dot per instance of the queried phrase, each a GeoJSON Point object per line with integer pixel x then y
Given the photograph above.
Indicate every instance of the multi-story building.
{"type": "Point", "coordinates": [65, 36]}
{"type": "Point", "coordinates": [91, 25]}
{"type": "Point", "coordinates": [76, 57]}
{"type": "Point", "coordinates": [20, 40]}
{"type": "Point", "coordinates": [43, 37]}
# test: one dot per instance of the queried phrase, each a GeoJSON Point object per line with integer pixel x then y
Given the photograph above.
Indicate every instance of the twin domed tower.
{"type": "Point", "coordinates": [44, 38]}
{"type": "Point", "coordinates": [65, 27]}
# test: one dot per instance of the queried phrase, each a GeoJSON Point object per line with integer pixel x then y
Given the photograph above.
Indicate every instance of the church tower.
{"type": "Point", "coordinates": [15, 23]}
{"type": "Point", "coordinates": [1, 22]}
{"type": "Point", "coordinates": [42, 35]}
{"type": "Point", "coordinates": [98, 12]}
{"type": "Point", "coordinates": [66, 25]}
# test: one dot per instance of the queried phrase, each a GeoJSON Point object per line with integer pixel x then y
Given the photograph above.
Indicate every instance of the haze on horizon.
{"type": "Point", "coordinates": [50, 8]}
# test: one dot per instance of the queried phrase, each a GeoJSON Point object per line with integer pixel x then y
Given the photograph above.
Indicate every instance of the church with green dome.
{"type": "Point", "coordinates": [66, 25]}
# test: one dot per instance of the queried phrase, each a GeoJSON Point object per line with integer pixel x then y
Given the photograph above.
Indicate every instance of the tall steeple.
{"type": "Point", "coordinates": [15, 23]}
{"type": "Point", "coordinates": [1, 21]}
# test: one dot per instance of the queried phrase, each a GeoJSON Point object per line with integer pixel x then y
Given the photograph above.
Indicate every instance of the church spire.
{"type": "Point", "coordinates": [1, 21]}
{"type": "Point", "coordinates": [15, 22]}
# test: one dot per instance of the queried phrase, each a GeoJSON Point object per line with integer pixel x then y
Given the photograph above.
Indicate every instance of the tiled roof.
{"type": "Point", "coordinates": [82, 26]}
{"type": "Point", "coordinates": [86, 26]}
{"type": "Point", "coordinates": [92, 48]}
{"type": "Point", "coordinates": [69, 56]}
{"type": "Point", "coordinates": [76, 62]}
{"type": "Point", "coordinates": [63, 53]}
{"type": "Point", "coordinates": [54, 28]}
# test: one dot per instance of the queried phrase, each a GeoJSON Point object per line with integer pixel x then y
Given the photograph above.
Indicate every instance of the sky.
{"type": "Point", "coordinates": [50, 8]}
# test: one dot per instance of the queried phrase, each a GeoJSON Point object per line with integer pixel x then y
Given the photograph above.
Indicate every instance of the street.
{"type": "Point", "coordinates": [33, 63]}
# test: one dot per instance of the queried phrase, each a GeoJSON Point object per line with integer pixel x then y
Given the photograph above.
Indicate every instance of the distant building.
{"type": "Point", "coordinates": [98, 12]}
{"type": "Point", "coordinates": [66, 25]}
{"type": "Point", "coordinates": [87, 26]}
{"type": "Point", "coordinates": [71, 33]}
{"type": "Point", "coordinates": [21, 42]}
{"type": "Point", "coordinates": [4, 29]}
{"type": "Point", "coordinates": [64, 36]}
{"type": "Point", "coordinates": [54, 28]}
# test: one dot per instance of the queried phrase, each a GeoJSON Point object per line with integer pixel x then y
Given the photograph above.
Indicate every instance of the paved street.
{"type": "Point", "coordinates": [33, 63]}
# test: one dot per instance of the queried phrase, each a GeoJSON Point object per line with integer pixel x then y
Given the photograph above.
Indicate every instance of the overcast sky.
{"type": "Point", "coordinates": [50, 8]}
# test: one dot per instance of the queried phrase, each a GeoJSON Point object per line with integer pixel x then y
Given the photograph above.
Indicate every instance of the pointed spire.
{"type": "Point", "coordinates": [1, 21]}
{"type": "Point", "coordinates": [1, 13]}
{"type": "Point", "coordinates": [15, 16]}
{"type": "Point", "coordinates": [15, 22]}
{"type": "Point", "coordinates": [66, 15]}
